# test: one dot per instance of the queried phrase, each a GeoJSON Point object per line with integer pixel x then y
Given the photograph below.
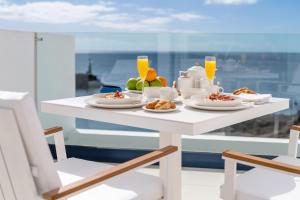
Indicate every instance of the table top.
{"type": "Point", "coordinates": [185, 121]}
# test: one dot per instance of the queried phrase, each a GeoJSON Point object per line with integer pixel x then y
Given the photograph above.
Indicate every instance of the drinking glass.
{"type": "Point", "coordinates": [142, 66]}
{"type": "Point", "coordinates": [210, 68]}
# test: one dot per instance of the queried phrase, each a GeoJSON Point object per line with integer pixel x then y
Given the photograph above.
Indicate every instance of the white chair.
{"type": "Point", "coordinates": [277, 179]}
{"type": "Point", "coordinates": [28, 172]}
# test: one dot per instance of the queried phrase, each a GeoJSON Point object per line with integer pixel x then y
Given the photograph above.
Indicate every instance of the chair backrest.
{"type": "Point", "coordinates": [16, 180]}
{"type": "Point", "coordinates": [30, 133]}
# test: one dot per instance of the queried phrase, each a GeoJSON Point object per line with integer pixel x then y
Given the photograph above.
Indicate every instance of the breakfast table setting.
{"type": "Point", "coordinates": [194, 104]}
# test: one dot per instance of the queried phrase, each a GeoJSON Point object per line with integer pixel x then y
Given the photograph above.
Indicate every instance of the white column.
{"type": "Point", "coordinates": [276, 125]}
{"type": "Point", "coordinates": [170, 167]}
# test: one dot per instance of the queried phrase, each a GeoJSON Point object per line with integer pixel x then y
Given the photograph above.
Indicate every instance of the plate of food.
{"type": "Point", "coordinates": [93, 102]}
{"type": "Point", "coordinates": [160, 106]}
{"type": "Point", "coordinates": [248, 95]}
{"type": "Point", "coordinates": [117, 98]}
{"type": "Point", "coordinates": [243, 90]}
{"type": "Point", "coordinates": [216, 100]}
{"type": "Point", "coordinates": [191, 103]}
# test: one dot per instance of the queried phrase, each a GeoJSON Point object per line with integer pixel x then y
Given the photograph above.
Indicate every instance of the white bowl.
{"type": "Point", "coordinates": [152, 92]}
{"type": "Point", "coordinates": [205, 101]}
{"type": "Point", "coordinates": [128, 98]}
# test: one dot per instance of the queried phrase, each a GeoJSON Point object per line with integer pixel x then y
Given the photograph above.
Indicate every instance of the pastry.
{"type": "Point", "coordinates": [152, 104]}
{"type": "Point", "coordinates": [244, 90]}
{"type": "Point", "coordinates": [161, 105]}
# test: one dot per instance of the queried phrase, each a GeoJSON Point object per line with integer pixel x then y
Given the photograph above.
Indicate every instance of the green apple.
{"type": "Point", "coordinates": [156, 83]}
{"type": "Point", "coordinates": [131, 84]}
{"type": "Point", "coordinates": [139, 85]}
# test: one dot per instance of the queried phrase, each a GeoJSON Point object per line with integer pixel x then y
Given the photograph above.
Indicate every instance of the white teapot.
{"type": "Point", "coordinates": [197, 73]}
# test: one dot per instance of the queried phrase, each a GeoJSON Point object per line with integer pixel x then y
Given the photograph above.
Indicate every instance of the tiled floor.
{"type": "Point", "coordinates": [198, 184]}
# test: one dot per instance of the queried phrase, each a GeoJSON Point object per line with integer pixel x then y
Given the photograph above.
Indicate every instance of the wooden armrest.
{"type": "Point", "coordinates": [109, 173]}
{"type": "Point", "coordinates": [262, 162]}
{"type": "Point", "coordinates": [295, 128]}
{"type": "Point", "coordinates": [52, 130]}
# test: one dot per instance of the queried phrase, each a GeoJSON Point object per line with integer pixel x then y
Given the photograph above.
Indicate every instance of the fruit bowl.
{"type": "Point", "coordinates": [134, 91]}
{"type": "Point", "coordinates": [135, 85]}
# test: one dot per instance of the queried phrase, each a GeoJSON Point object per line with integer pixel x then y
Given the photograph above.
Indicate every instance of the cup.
{"type": "Point", "coordinates": [168, 93]}
{"type": "Point", "coordinates": [200, 97]}
{"type": "Point", "coordinates": [151, 93]}
{"type": "Point", "coordinates": [204, 83]}
{"type": "Point", "coordinates": [217, 89]}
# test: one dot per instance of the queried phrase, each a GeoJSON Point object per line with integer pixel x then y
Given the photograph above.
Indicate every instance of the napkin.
{"type": "Point", "coordinates": [256, 98]}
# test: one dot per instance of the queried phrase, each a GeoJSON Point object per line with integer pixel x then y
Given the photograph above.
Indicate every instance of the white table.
{"type": "Point", "coordinates": [187, 121]}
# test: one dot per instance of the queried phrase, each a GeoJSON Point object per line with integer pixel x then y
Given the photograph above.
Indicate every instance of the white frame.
{"type": "Point", "coordinates": [59, 143]}
{"type": "Point", "coordinates": [229, 187]}
{"type": "Point", "coordinates": [17, 181]}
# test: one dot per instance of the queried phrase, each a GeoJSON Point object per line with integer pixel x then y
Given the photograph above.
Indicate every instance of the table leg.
{"type": "Point", "coordinates": [170, 167]}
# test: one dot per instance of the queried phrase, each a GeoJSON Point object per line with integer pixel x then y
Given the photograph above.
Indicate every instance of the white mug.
{"type": "Point", "coordinates": [151, 93]}
{"type": "Point", "coordinates": [200, 97]}
{"type": "Point", "coordinates": [217, 89]}
{"type": "Point", "coordinates": [168, 93]}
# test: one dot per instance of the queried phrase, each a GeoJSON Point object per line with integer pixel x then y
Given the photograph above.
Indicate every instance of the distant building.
{"type": "Point", "coordinates": [87, 80]}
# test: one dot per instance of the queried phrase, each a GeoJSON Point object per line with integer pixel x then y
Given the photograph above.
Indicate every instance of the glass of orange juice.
{"type": "Point", "coordinates": [210, 68]}
{"type": "Point", "coordinates": [142, 66]}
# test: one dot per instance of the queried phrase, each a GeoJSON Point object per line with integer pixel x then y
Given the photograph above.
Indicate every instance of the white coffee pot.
{"type": "Point", "coordinates": [197, 73]}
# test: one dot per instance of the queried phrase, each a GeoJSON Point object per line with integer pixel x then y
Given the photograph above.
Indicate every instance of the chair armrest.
{"type": "Point", "coordinates": [295, 128]}
{"type": "Point", "coordinates": [86, 183]}
{"type": "Point", "coordinates": [293, 141]}
{"type": "Point", "coordinates": [59, 141]}
{"type": "Point", "coordinates": [52, 130]}
{"type": "Point", "coordinates": [257, 161]}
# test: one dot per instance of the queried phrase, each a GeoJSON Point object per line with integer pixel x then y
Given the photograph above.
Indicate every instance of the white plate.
{"type": "Point", "coordinates": [129, 98]}
{"type": "Point", "coordinates": [256, 98]}
{"type": "Point", "coordinates": [177, 100]}
{"type": "Point", "coordinates": [134, 91]}
{"type": "Point", "coordinates": [200, 101]}
{"type": "Point", "coordinates": [93, 102]}
{"type": "Point", "coordinates": [190, 103]}
{"type": "Point", "coordinates": [159, 111]}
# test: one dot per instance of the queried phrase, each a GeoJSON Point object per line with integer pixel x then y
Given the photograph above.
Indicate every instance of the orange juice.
{"type": "Point", "coordinates": [143, 65]}
{"type": "Point", "coordinates": [210, 69]}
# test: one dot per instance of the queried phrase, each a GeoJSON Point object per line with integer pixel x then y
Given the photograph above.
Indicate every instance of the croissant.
{"type": "Point", "coordinates": [151, 105]}
{"type": "Point", "coordinates": [165, 105]}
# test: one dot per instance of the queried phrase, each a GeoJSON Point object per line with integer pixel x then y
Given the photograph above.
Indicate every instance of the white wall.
{"type": "Point", "coordinates": [55, 74]}
{"type": "Point", "coordinates": [46, 68]}
{"type": "Point", "coordinates": [17, 61]}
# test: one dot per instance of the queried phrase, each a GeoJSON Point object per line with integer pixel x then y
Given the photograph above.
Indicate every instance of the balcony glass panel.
{"type": "Point", "coordinates": [266, 63]}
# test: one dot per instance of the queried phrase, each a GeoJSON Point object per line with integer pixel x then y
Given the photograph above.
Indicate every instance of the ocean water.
{"type": "Point", "coordinates": [276, 73]}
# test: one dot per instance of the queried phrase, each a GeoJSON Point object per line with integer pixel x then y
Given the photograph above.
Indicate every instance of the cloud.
{"type": "Point", "coordinates": [230, 2]}
{"type": "Point", "coordinates": [159, 11]}
{"type": "Point", "coordinates": [185, 17]}
{"type": "Point", "coordinates": [57, 12]}
{"type": "Point", "coordinates": [99, 16]}
{"type": "Point", "coordinates": [156, 20]}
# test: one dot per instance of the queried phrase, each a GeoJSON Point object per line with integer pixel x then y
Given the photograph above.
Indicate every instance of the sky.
{"type": "Point", "coordinates": [182, 16]}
